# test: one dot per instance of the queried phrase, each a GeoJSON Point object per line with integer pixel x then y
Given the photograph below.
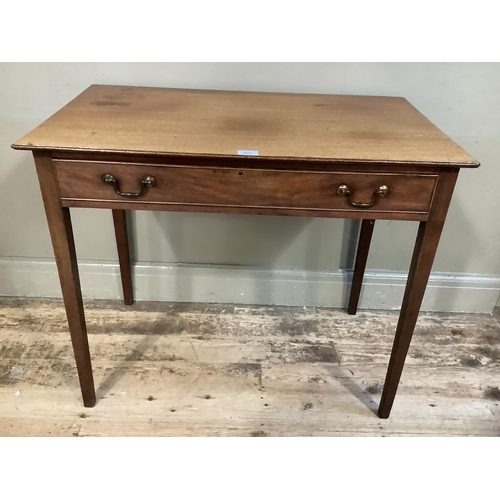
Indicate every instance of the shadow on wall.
{"type": "Point", "coordinates": [244, 242]}
{"type": "Point", "coordinates": [265, 239]}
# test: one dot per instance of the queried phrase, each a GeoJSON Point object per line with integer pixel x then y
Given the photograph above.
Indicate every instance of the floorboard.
{"type": "Point", "coordinates": [164, 369]}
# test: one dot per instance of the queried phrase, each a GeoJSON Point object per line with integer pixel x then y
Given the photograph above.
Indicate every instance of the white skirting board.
{"type": "Point", "coordinates": [244, 285]}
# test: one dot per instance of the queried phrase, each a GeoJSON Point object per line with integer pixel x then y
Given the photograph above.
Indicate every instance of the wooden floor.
{"type": "Point", "coordinates": [164, 369]}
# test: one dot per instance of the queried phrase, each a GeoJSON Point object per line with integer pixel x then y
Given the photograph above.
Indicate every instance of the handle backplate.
{"type": "Point", "coordinates": [381, 192]}
{"type": "Point", "coordinates": [111, 180]}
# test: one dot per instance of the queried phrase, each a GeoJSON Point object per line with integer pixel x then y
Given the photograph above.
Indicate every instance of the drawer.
{"type": "Point", "coordinates": [246, 187]}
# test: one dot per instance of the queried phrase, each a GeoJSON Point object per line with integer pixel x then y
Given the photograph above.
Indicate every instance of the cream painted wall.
{"type": "Point", "coordinates": [463, 99]}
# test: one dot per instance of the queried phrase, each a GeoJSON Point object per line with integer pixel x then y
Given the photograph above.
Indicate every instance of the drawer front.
{"type": "Point", "coordinates": [260, 188]}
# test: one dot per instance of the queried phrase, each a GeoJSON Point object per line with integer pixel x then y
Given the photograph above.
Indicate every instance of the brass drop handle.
{"type": "Point", "coordinates": [111, 180]}
{"type": "Point", "coordinates": [344, 190]}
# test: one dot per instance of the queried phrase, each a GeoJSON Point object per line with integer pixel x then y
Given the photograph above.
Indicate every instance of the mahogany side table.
{"type": "Point", "coordinates": [304, 155]}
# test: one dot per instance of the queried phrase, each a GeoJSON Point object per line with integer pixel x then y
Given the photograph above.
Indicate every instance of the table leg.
{"type": "Point", "coordinates": [120, 222]}
{"type": "Point", "coordinates": [423, 257]}
{"type": "Point", "coordinates": [61, 232]}
{"type": "Point", "coordinates": [365, 237]}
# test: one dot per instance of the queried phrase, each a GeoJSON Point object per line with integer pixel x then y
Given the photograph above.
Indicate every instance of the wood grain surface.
{"type": "Point", "coordinates": [424, 252]}
{"type": "Point", "coordinates": [61, 232]}
{"type": "Point", "coordinates": [251, 187]}
{"type": "Point", "coordinates": [220, 123]}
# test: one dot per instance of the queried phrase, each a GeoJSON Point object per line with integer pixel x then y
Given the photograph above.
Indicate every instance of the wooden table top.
{"type": "Point", "coordinates": [158, 121]}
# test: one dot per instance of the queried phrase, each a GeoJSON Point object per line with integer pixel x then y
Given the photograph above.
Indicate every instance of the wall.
{"type": "Point", "coordinates": [250, 258]}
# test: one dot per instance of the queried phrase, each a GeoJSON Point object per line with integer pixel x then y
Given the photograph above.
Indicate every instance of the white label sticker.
{"type": "Point", "coordinates": [248, 152]}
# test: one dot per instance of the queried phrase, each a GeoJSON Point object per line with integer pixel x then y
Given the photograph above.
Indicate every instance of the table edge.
{"type": "Point", "coordinates": [340, 161]}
